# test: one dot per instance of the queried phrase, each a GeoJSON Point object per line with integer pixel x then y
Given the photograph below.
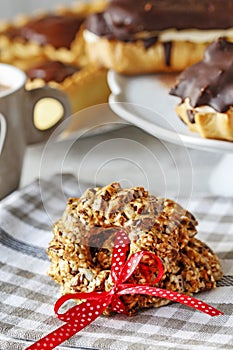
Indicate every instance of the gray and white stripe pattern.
{"type": "Point", "coordinates": [27, 294]}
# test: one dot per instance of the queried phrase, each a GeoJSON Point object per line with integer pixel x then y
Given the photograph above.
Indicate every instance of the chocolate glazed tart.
{"type": "Point", "coordinates": [43, 36]}
{"type": "Point", "coordinates": [55, 35]}
{"type": "Point", "coordinates": [206, 92]}
{"type": "Point", "coordinates": [85, 86]}
{"type": "Point", "coordinates": [157, 35]}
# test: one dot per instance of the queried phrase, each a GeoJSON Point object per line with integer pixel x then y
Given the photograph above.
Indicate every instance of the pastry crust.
{"type": "Point", "coordinates": [20, 52]}
{"type": "Point", "coordinates": [207, 122]}
{"type": "Point", "coordinates": [133, 58]}
{"type": "Point", "coordinates": [81, 248]}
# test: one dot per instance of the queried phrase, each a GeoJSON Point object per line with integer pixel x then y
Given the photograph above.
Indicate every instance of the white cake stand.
{"type": "Point", "coordinates": [145, 102]}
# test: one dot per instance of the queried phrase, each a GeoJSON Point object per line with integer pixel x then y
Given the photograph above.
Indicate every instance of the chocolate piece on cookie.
{"type": "Point", "coordinates": [206, 92]}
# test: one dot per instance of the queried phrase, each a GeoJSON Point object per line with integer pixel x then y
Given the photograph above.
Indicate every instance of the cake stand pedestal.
{"type": "Point", "coordinates": [221, 180]}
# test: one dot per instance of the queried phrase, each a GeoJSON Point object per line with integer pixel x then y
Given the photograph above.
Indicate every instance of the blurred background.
{"type": "Point", "coordinates": [10, 8]}
{"type": "Point", "coordinates": [195, 167]}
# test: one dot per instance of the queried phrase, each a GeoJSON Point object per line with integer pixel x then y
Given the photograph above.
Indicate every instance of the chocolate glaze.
{"type": "Point", "coordinates": [57, 30]}
{"type": "Point", "coordinates": [147, 42]}
{"type": "Point", "coordinates": [125, 18]}
{"type": "Point", "coordinates": [51, 71]}
{"type": "Point", "coordinates": [209, 82]}
{"type": "Point", "coordinates": [167, 51]}
{"type": "Point", "coordinates": [191, 116]}
{"type": "Point", "coordinates": [150, 41]}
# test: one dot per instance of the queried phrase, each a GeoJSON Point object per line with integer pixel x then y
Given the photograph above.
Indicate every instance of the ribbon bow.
{"type": "Point", "coordinates": [82, 315]}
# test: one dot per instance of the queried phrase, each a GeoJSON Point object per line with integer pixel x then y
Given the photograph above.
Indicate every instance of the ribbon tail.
{"type": "Point", "coordinates": [173, 296]}
{"type": "Point", "coordinates": [57, 337]}
{"type": "Point", "coordinates": [77, 318]}
{"type": "Point", "coordinates": [94, 297]}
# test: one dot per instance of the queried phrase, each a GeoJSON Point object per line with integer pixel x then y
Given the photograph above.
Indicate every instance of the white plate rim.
{"type": "Point", "coordinates": [118, 103]}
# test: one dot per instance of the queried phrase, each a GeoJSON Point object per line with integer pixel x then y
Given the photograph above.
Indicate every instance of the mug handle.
{"type": "Point", "coordinates": [37, 99]}
{"type": "Point", "coordinates": [3, 131]}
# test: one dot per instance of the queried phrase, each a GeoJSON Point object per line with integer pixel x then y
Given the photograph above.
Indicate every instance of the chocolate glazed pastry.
{"type": "Point", "coordinates": [206, 91]}
{"type": "Point", "coordinates": [85, 86]}
{"type": "Point", "coordinates": [45, 36]}
{"type": "Point", "coordinates": [56, 36]}
{"type": "Point", "coordinates": [157, 35]}
{"type": "Point", "coordinates": [49, 30]}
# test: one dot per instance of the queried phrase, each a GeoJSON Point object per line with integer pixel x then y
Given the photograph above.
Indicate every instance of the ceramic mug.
{"type": "Point", "coordinates": [26, 117]}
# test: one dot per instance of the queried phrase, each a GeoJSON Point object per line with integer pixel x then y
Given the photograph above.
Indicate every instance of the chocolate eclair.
{"type": "Point", "coordinates": [206, 92]}
{"type": "Point", "coordinates": [85, 86]}
{"type": "Point", "coordinates": [56, 35]}
{"type": "Point", "coordinates": [81, 248]}
{"type": "Point", "coordinates": [156, 35]}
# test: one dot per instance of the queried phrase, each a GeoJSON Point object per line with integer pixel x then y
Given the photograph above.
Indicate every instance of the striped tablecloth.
{"type": "Point", "coordinates": [27, 294]}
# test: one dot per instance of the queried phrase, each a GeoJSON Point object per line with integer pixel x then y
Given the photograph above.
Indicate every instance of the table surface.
{"type": "Point", "coordinates": [27, 295]}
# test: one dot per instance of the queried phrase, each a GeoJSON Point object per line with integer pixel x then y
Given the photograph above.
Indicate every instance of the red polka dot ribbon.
{"type": "Point", "coordinates": [80, 316]}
